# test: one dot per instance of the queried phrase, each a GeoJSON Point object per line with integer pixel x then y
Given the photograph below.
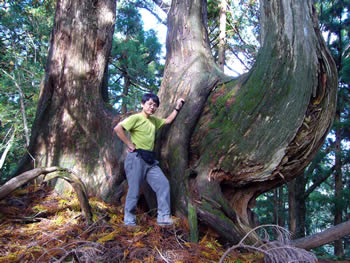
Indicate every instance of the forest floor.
{"type": "Point", "coordinates": [38, 225]}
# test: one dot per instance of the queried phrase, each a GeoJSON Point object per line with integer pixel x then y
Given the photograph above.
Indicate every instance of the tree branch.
{"type": "Point", "coordinates": [7, 149]}
{"type": "Point", "coordinates": [327, 236]}
{"type": "Point", "coordinates": [65, 174]}
{"type": "Point", "coordinates": [22, 179]}
{"type": "Point", "coordinates": [319, 181]}
{"type": "Point", "coordinates": [162, 5]}
{"type": "Point", "coordinates": [23, 110]}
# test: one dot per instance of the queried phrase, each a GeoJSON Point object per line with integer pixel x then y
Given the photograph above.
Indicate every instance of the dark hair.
{"type": "Point", "coordinates": [148, 96]}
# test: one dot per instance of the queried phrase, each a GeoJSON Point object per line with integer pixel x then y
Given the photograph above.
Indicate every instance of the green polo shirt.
{"type": "Point", "coordinates": [142, 130]}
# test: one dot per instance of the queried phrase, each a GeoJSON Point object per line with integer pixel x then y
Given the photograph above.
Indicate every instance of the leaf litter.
{"type": "Point", "coordinates": [39, 225]}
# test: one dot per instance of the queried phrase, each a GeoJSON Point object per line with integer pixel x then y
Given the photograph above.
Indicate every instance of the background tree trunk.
{"type": "Point", "coordinates": [338, 207]}
{"type": "Point", "coordinates": [222, 35]}
{"type": "Point", "coordinates": [126, 87]}
{"type": "Point", "coordinates": [301, 197]}
{"type": "Point", "coordinates": [292, 222]}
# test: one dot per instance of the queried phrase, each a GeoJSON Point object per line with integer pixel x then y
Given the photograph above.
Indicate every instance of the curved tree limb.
{"type": "Point", "coordinates": [79, 187]}
{"type": "Point", "coordinates": [22, 179]}
{"type": "Point", "coordinates": [65, 174]}
{"type": "Point", "coordinates": [151, 8]}
{"type": "Point", "coordinates": [319, 181]}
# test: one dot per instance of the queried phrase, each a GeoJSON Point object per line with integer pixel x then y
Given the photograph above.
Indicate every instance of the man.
{"type": "Point", "coordinates": [140, 164]}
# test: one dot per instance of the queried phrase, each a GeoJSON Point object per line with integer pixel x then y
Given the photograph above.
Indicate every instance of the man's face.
{"type": "Point", "coordinates": [149, 107]}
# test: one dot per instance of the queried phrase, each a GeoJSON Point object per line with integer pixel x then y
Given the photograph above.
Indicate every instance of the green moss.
{"type": "Point", "coordinates": [205, 205]}
{"type": "Point", "coordinates": [255, 119]}
{"type": "Point", "coordinates": [193, 222]}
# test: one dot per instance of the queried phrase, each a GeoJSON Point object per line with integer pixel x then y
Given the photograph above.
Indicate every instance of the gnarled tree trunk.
{"type": "Point", "coordinates": [237, 139]}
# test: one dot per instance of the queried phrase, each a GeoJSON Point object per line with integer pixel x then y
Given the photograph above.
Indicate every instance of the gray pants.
{"type": "Point", "coordinates": [137, 170]}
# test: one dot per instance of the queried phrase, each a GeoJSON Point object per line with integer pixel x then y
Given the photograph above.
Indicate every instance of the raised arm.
{"type": "Point", "coordinates": [176, 110]}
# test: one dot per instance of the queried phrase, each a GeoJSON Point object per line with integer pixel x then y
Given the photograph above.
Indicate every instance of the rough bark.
{"type": "Point", "coordinates": [251, 134]}
{"type": "Point", "coordinates": [325, 237]}
{"type": "Point", "coordinates": [73, 127]}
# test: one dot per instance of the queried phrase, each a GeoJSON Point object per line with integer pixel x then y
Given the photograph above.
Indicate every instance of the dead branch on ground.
{"type": "Point", "coordinates": [55, 172]}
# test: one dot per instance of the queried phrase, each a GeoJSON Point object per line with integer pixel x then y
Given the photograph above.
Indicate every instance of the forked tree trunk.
{"type": "Point", "coordinates": [236, 139]}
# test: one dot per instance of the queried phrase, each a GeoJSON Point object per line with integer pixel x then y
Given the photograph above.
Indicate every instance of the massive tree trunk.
{"type": "Point", "coordinates": [234, 138]}
{"type": "Point", "coordinates": [73, 128]}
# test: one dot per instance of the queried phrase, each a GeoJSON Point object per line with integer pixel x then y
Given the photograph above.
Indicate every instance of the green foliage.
{"type": "Point", "coordinates": [335, 20]}
{"type": "Point", "coordinates": [264, 208]}
{"type": "Point", "coordinates": [242, 30]}
{"type": "Point", "coordinates": [135, 60]}
{"type": "Point", "coordinates": [24, 35]}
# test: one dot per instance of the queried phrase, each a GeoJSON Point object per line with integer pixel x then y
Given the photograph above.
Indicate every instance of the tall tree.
{"type": "Point", "coordinates": [233, 32]}
{"type": "Point", "coordinates": [335, 21]}
{"type": "Point", "coordinates": [24, 33]}
{"type": "Point", "coordinates": [222, 34]}
{"type": "Point", "coordinates": [234, 138]}
{"type": "Point", "coordinates": [134, 65]}
{"type": "Point", "coordinates": [304, 186]}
